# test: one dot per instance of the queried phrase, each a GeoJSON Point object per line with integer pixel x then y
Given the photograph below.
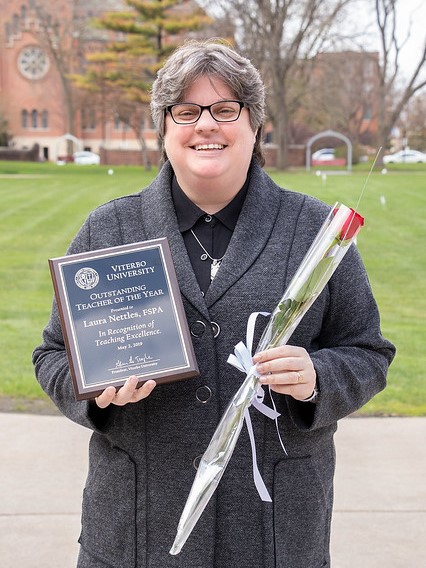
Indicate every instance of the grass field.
{"type": "Point", "coordinates": [43, 206]}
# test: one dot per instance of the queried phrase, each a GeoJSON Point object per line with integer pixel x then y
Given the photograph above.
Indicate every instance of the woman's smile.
{"type": "Point", "coordinates": [203, 147]}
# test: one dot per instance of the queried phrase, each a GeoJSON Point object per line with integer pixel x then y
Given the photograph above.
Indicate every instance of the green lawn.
{"type": "Point", "coordinates": [43, 206]}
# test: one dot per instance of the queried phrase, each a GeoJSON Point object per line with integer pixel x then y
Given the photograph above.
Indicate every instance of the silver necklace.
{"type": "Point", "coordinates": [216, 262]}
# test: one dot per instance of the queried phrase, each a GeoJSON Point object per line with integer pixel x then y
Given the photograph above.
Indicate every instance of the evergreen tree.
{"type": "Point", "coordinates": [121, 76]}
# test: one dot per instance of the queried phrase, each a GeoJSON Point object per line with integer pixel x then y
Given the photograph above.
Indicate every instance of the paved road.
{"type": "Point", "coordinates": [380, 506]}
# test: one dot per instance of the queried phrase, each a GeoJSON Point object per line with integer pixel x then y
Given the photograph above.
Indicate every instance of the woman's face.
{"type": "Point", "coordinates": [210, 151]}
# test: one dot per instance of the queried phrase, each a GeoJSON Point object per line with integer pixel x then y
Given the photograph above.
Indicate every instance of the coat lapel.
{"type": "Point", "coordinates": [251, 234]}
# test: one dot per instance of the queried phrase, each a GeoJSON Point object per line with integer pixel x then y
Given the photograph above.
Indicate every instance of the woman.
{"type": "Point", "coordinates": [236, 240]}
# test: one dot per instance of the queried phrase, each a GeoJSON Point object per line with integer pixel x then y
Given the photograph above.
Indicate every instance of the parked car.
{"type": "Point", "coordinates": [324, 155]}
{"type": "Point", "coordinates": [63, 160]}
{"type": "Point", "coordinates": [405, 157]}
{"type": "Point", "coordinates": [86, 158]}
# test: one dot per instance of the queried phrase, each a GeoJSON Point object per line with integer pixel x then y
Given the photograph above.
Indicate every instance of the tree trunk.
{"type": "Point", "coordinates": [281, 130]}
{"type": "Point", "coordinates": [145, 154]}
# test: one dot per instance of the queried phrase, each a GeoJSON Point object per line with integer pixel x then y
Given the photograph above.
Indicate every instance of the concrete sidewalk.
{"type": "Point", "coordinates": [380, 506]}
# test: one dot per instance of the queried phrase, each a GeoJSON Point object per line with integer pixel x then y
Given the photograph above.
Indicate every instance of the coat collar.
{"type": "Point", "coordinates": [254, 226]}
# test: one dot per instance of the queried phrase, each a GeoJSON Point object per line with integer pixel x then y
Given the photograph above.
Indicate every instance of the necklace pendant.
{"type": "Point", "coordinates": [214, 268]}
{"type": "Point", "coordinates": [204, 257]}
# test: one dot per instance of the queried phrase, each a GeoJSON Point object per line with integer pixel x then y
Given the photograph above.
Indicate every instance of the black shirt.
{"type": "Point", "coordinates": [213, 231]}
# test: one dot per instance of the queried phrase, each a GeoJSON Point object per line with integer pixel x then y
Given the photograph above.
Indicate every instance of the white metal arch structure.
{"type": "Point", "coordinates": [78, 143]}
{"type": "Point", "coordinates": [329, 134]}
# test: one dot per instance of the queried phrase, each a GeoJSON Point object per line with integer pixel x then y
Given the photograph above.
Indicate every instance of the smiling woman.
{"type": "Point", "coordinates": [236, 239]}
{"type": "Point", "coordinates": [209, 112]}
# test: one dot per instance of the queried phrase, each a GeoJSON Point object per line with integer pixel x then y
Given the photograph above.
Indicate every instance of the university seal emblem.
{"type": "Point", "coordinates": [86, 278]}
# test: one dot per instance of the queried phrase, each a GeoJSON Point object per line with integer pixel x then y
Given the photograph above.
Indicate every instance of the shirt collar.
{"type": "Point", "coordinates": [188, 213]}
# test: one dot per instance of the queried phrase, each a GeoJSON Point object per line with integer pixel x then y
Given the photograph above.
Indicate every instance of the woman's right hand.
{"type": "Point", "coordinates": [128, 393]}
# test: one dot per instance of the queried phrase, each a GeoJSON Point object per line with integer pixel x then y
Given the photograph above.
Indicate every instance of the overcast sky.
{"type": "Point", "coordinates": [416, 10]}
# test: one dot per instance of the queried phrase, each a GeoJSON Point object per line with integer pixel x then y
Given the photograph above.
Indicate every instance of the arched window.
{"type": "Point", "coordinates": [24, 118]}
{"type": "Point", "coordinates": [45, 119]}
{"type": "Point", "coordinates": [34, 118]}
{"type": "Point", "coordinates": [92, 119]}
{"type": "Point", "coordinates": [15, 24]}
{"type": "Point", "coordinates": [88, 118]}
{"type": "Point", "coordinates": [23, 12]}
{"type": "Point", "coordinates": [84, 119]}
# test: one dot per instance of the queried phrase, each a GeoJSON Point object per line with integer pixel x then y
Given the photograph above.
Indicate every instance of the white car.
{"type": "Point", "coordinates": [86, 158]}
{"type": "Point", "coordinates": [324, 155]}
{"type": "Point", "coordinates": [405, 157]}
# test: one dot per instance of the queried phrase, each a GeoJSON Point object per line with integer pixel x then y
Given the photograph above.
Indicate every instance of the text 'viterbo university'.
{"type": "Point", "coordinates": [129, 270]}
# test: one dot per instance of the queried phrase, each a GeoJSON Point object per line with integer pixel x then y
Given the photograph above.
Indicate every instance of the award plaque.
{"type": "Point", "coordinates": [122, 314]}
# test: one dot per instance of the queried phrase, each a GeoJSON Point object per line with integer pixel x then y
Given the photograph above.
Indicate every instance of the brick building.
{"type": "Point", "coordinates": [41, 42]}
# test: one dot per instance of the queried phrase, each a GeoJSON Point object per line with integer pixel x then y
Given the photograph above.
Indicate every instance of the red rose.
{"type": "Point", "coordinates": [351, 226]}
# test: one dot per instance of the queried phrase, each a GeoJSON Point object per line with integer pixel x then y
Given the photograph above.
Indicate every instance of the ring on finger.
{"type": "Point", "coordinates": [299, 377]}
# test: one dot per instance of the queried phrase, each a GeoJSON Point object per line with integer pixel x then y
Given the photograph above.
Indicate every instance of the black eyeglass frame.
{"type": "Point", "coordinates": [202, 108]}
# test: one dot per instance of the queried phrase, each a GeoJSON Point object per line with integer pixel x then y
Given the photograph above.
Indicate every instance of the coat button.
{"type": "Point", "coordinates": [203, 394]}
{"type": "Point", "coordinates": [197, 328]}
{"type": "Point", "coordinates": [215, 328]}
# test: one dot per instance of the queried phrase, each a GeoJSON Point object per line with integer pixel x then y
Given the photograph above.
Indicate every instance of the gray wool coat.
{"type": "Point", "coordinates": [143, 456]}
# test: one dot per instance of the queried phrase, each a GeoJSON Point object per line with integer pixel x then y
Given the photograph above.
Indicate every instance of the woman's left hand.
{"type": "Point", "coordinates": [288, 370]}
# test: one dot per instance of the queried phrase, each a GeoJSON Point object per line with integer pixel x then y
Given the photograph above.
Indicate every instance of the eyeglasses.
{"type": "Point", "coordinates": [189, 113]}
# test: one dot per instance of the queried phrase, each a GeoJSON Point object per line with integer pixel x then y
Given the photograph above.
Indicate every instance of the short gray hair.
{"type": "Point", "coordinates": [195, 59]}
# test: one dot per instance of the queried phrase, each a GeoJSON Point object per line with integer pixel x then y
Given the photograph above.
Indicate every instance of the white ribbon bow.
{"type": "Point", "coordinates": [243, 361]}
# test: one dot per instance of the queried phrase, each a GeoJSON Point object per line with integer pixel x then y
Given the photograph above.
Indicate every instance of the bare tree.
{"type": "Point", "coordinates": [57, 37]}
{"type": "Point", "coordinates": [414, 122]}
{"type": "Point", "coordinates": [278, 36]}
{"type": "Point", "coordinates": [395, 91]}
{"type": "Point", "coordinates": [342, 95]}
{"type": "Point", "coordinates": [135, 116]}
